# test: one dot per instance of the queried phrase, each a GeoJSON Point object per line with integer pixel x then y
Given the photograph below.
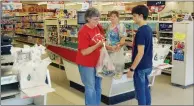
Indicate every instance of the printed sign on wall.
{"type": "Point", "coordinates": [179, 46]}
{"type": "Point", "coordinates": [55, 5]}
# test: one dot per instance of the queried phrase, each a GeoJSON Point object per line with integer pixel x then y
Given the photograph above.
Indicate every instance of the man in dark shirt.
{"type": "Point", "coordinates": [141, 56]}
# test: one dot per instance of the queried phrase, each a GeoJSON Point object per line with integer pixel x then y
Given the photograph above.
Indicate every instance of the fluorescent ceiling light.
{"type": "Point", "coordinates": [109, 3]}
{"type": "Point", "coordinates": [70, 4]}
{"type": "Point", "coordinates": [41, 3]}
{"type": "Point", "coordinates": [75, 3]}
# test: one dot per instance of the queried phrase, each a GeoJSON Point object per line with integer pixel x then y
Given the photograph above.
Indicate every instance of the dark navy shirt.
{"type": "Point", "coordinates": [143, 37]}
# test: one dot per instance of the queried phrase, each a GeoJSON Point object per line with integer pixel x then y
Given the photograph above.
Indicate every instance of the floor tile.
{"type": "Point", "coordinates": [163, 93]}
{"type": "Point", "coordinates": [54, 99]}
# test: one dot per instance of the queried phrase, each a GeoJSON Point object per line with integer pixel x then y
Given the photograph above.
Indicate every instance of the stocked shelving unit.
{"type": "Point", "coordinates": [128, 16]}
{"type": "Point", "coordinates": [68, 32]}
{"type": "Point", "coordinates": [51, 35]}
{"type": "Point", "coordinates": [30, 28]}
{"type": "Point", "coordinates": [8, 27]}
{"type": "Point", "coordinates": [166, 38]}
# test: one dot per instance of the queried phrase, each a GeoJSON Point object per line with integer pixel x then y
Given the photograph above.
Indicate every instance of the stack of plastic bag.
{"type": "Point", "coordinates": [30, 67]}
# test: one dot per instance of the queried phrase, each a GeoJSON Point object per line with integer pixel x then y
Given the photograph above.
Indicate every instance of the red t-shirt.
{"type": "Point", "coordinates": [88, 37]}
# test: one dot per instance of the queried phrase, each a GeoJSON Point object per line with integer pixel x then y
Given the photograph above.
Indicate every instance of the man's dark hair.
{"type": "Point", "coordinates": [141, 9]}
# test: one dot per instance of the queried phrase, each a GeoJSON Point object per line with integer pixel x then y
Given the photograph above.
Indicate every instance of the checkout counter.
{"type": "Point", "coordinates": [113, 91]}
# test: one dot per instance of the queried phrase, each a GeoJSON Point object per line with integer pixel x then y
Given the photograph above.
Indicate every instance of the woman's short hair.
{"type": "Point", "coordinates": [114, 12]}
{"type": "Point", "coordinates": [91, 12]}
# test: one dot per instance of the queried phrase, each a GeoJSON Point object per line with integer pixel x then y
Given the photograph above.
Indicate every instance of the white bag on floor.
{"type": "Point", "coordinates": [105, 64]}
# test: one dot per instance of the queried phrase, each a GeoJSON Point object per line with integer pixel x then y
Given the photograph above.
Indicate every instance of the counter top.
{"type": "Point", "coordinates": [67, 53]}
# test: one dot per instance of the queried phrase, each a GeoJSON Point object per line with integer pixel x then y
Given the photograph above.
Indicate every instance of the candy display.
{"type": "Point", "coordinates": [30, 28]}
{"type": "Point", "coordinates": [8, 26]}
{"type": "Point", "coordinates": [30, 18]}
{"type": "Point", "coordinates": [53, 34]}
{"type": "Point", "coordinates": [7, 21]}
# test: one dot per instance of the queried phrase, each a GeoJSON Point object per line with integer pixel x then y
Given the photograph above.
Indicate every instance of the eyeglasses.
{"type": "Point", "coordinates": [95, 18]}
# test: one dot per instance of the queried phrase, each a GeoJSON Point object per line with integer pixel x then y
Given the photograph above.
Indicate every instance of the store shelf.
{"type": "Point", "coordinates": [9, 93]}
{"type": "Point", "coordinates": [168, 72]}
{"type": "Point", "coordinates": [40, 28]}
{"type": "Point", "coordinates": [32, 22]}
{"type": "Point", "coordinates": [166, 32]}
{"type": "Point", "coordinates": [32, 28]}
{"type": "Point", "coordinates": [30, 35]}
{"type": "Point", "coordinates": [7, 23]}
{"type": "Point", "coordinates": [165, 38]}
{"type": "Point", "coordinates": [72, 36]}
{"type": "Point", "coordinates": [25, 42]}
{"type": "Point", "coordinates": [8, 17]}
{"type": "Point", "coordinates": [7, 30]}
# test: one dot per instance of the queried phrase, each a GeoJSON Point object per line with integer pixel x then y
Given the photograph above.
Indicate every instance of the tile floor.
{"type": "Point", "coordinates": [163, 93]}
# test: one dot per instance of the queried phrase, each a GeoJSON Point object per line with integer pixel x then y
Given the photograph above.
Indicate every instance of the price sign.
{"type": "Point", "coordinates": [11, 6]}
{"type": "Point", "coordinates": [156, 6]}
{"type": "Point", "coordinates": [55, 5]}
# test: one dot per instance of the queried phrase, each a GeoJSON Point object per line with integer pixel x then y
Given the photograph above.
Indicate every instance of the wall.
{"type": "Point", "coordinates": [73, 7]}
{"type": "Point", "coordinates": [185, 6]}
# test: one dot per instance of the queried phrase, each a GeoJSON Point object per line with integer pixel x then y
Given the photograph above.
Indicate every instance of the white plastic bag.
{"type": "Point", "coordinates": [105, 64]}
{"type": "Point", "coordinates": [118, 59]}
{"type": "Point", "coordinates": [159, 54]}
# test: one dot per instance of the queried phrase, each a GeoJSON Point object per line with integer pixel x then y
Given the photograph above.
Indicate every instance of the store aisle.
{"type": "Point", "coordinates": [162, 92]}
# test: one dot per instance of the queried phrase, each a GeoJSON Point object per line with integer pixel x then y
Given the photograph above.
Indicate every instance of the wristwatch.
{"type": "Point", "coordinates": [132, 70]}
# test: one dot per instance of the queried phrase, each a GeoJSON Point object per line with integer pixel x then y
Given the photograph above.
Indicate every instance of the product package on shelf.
{"type": "Point", "coordinates": [7, 14]}
{"type": "Point", "coordinates": [32, 70]}
{"type": "Point", "coordinates": [52, 34]}
{"type": "Point", "coordinates": [8, 26]}
{"type": "Point", "coordinates": [40, 17]}
{"type": "Point", "coordinates": [25, 19]}
{"type": "Point", "coordinates": [33, 18]}
{"type": "Point", "coordinates": [7, 21]}
{"type": "Point", "coordinates": [39, 25]}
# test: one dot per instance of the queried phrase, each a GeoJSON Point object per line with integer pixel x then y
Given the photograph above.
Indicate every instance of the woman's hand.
{"type": "Point", "coordinates": [100, 43]}
{"type": "Point", "coordinates": [92, 48]}
{"type": "Point", "coordinates": [118, 47]}
{"type": "Point", "coordinates": [122, 41]}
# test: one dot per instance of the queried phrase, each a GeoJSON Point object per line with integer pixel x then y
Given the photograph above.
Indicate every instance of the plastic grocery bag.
{"type": "Point", "coordinates": [105, 66]}
{"type": "Point", "coordinates": [159, 54]}
{"type": "Point", "coordinates": [118, 59]}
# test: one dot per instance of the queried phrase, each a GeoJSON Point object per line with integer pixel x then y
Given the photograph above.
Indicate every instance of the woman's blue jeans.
{"type": "Point", "coordinates": [92, 85]}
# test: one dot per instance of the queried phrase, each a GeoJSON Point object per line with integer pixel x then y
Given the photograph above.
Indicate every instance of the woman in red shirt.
{"type": "Point", "coordinates": [90, 41]}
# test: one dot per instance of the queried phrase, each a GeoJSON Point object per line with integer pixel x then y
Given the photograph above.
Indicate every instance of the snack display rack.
{"type": "Point", "coordinates": [51, 35]}
{"type": "Point", "coordinates": [30, 26]}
